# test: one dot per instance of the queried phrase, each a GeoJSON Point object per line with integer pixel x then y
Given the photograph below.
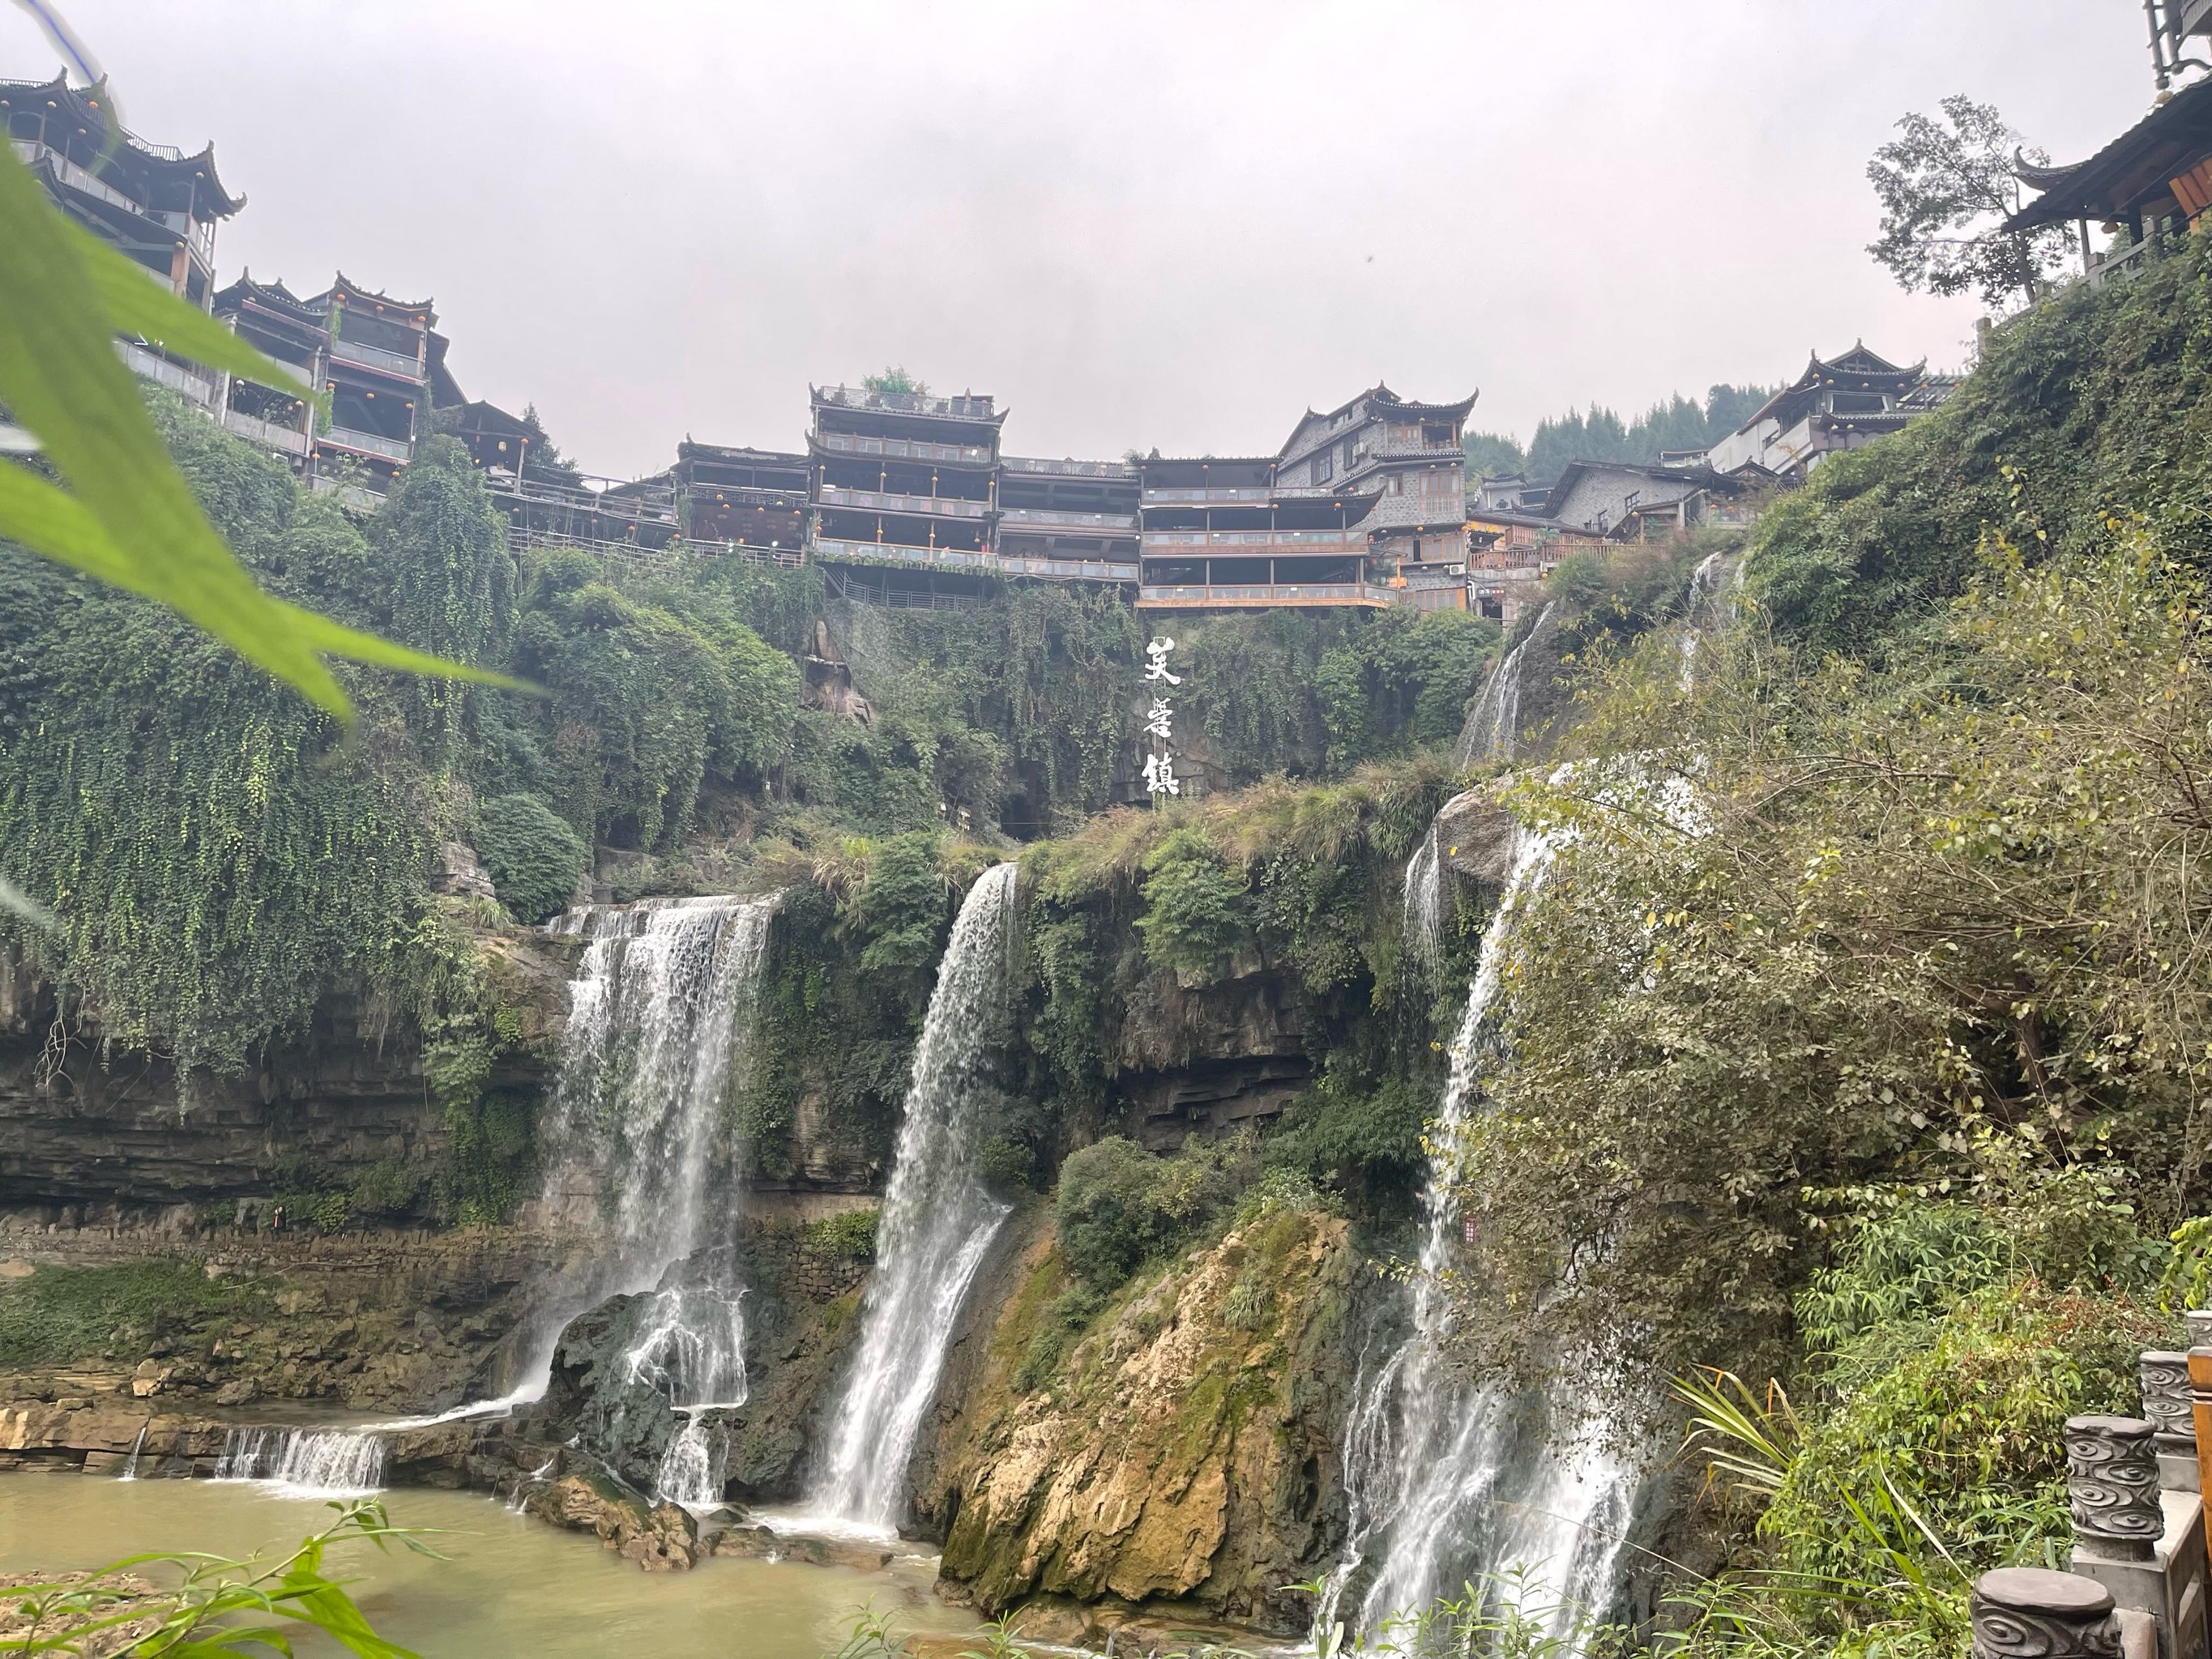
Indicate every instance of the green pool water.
{"type": "Point", "coordinates": [510, 1586]}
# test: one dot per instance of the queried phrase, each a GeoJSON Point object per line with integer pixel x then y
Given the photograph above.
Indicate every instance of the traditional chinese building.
{"type": "Point", "coordinates": [1216, 536]}
{"type": "Point", "coordinates": [1407, 456]}
{"type": "Point", "coordinates": [753, 499]}
{"type": "Point", "coordinates": [1622, 501]}
{"type": "Point", "coordinates": [903, 479]}
{"type": "Point", "coordinates": [1068, 519]}
{"type": "Point", "coordinates": [153, 203]}
{"type": "Point", "coordinates": [2153, 183]}
{"type": "Point", "coordinates": [378, 362]}
{"type": "Point", "coordinates": [1836, 403]}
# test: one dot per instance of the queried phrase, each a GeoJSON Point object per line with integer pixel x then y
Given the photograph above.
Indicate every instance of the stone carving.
{"type": "Point", "coordinates": [2166, 1394]}
{"type": "Point", "coordinates": [2112, 1481]}
{"type": "Point", "coordinates": [2029, 1613]}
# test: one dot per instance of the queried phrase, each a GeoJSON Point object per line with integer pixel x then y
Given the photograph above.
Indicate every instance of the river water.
{"type": "Point", "coordinates": [510, 1586]}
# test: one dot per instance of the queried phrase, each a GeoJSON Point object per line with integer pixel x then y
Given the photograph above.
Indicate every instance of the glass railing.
{"type": "Point", "coordinates": [369, 356]}
{"type": "Point", "coordinates": [368, 443]}
{"type": "Point", "coordinates": [944, 507]}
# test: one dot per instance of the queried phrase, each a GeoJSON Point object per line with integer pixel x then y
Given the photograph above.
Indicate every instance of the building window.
{"type": "Point", "coordinates": [1324, 467]}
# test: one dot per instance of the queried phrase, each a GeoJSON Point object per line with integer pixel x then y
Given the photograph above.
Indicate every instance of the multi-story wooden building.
{"type": "Point", "coordinates": [378, 362]}
{"type": "Point", "coordinates": [1067, 519]}
{"type": "Point", "coordinates": [1837, 404]}
{"type": "Point", "coordinates": [1217, 535]}
{"type": "Point", "coordinates": [151, 202]}
{"type": "Point", "coordinates": [903, 479]}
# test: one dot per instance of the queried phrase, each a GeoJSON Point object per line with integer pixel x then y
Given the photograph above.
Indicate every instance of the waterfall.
{"type": "Point", "coordinates": [1705, 583]}
{"type": "Point", "coordinates": [1493, 726]}
{"type": "Point", "coordinates": [321, 1462]}
{"type": "Point", "coordinates": [936, 1222]}
{"type": "Point", "coordinates": [1445, 1481]}
{"type": "Point", "coordinates": [1425, 898]}
{"type": "Point", "coordinates": [130, 1465]}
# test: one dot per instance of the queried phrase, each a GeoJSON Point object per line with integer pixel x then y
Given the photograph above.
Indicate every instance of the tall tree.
{"type": "Point", "coordinates": [1946, 187]}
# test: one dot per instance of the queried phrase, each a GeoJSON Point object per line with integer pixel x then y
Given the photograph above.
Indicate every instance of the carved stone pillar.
{"type": "Point", "coordinates": [2029, 1613]}
{"type": "Point", "coordinates": [2112, 1486]}
{"type": "Point", "coordinates": [2166, 1401]}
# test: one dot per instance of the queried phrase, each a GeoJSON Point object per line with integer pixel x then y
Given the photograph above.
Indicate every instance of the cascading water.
{"type": "Point", "coordinates": [659, 1016]}
{"type": "Point", "coordinates": [131, 1467]}
{"type": "Point", "coordinates": [326, 1462]}
{"type": "Point", "coordinates": [937, 1221]}
{"type": "Point", "coordinates": [1424, 897]}
{"type": "Point", "coordinates": [1493, 726]}
{"type": "Point", "coordinates": [1445, 1482]}
{"type": "Point", "coordinates": [1705, 583]}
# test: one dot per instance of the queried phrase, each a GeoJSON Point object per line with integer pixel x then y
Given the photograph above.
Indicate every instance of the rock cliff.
{"type": "Point", "coordinates": [1183, 1457]}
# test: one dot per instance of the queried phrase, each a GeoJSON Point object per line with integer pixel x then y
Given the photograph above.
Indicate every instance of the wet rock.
{"type": "Point", "coordinates": [659, 1537]}
{"type": "Point", "coordinates": [763, 1542]}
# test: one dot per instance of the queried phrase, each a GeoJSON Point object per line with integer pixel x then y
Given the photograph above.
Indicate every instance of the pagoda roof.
{"type": "Point", "coordinates": [90, 109]}
{"type": "Point", "coordinates": [692, 450]}
{"type": "Point", "coordinates": [343, 286]}
{"type": "Point", "coordinates": [1858, 368]}
{"type": "Point", "coordinates": [2131, 174]}
{"type": "Point", "coordinates": [1379, 396]}
{"type": "Point", "coordinates": [275, 297]}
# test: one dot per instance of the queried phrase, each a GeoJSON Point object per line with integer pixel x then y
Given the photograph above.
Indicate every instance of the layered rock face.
{"type": "Point", "coordinates": [1184, 1456]}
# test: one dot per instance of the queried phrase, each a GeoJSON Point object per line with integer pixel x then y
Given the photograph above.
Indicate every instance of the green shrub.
{"type": "Point", "coordinates": [1118, 1204]}
{"type": "Point", "coordinates": [848, 1236]}
{"type": "Point", "coordinates": [534, 856]}
{"type": "Point", "coordinates": [1064, 1321]}
{"type": "Point", "coordinates": [1196, 912]}
{"type": "Point", "coordinates": [62, 1314]}
{"type": "Point", "coordinates": [1007, 1165]}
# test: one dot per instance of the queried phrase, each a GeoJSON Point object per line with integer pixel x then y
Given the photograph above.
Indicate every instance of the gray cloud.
{"type": "Point", "coordinates": [1136, 224]}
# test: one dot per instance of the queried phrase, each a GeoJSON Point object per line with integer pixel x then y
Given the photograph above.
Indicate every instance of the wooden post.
{"type": "Point", "coordinates": [2200, 1412]}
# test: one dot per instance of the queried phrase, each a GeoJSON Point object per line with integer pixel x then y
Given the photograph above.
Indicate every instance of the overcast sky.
{"type": "Point", "coordinates": [1176, 225]}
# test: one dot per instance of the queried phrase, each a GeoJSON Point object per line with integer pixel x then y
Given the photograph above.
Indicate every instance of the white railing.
{"type": "Point", "coordinates": [2121, 265]}
{"type": "Point", "coordinates": [351, 494]}
{"type": "Point", "coordinates": [290, 440]}
{"type": "Point", "coordinates": [77, 178]}
{"type": "Point", "coordinates": [368, 443]}
{"type": "Point", "coordinates": [175, 376]}
{"type": "Point", "coordinates": [1069, 469]}
{"type": "Point", "coordinates": [1255, 542]}
{"type": "Point", "coordinates": [1179, 496]}
{"type": "Point", "coordinates": [913, 449]}
{"type": "Point", "coordinates": [1052, 518]}
{"type": "Point", "coordinates": [943, 506]}
{"type": "Point", "coordinates": [908, 403]}
{"type": "Point", "coordinates": [369, 356]}
{"type": "Point", "coordinates": [1265, 594]}
{"type": "Point", "coordinates": [1088, 570]}
{"type": "Point", "coordinates": [826, 547]}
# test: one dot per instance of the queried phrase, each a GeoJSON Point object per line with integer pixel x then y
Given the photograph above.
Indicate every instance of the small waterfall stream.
{"type": "Point", "coordinates": [1444, 1482]}
{"type": "Point", "coordinates": [323, 1463]}
{"type": "Point", "coordinates": [1705, 584]}
{"type": "Point", "coordinates": [937, 1221]}
{"type": "Point", "coordinates": [1493, 725]}
{"type": "Point", "coordinates": [1425, 898]}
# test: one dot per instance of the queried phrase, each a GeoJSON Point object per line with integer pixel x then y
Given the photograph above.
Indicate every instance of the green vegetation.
{"type": "Point", "coordinates": [531, 854]}
{"type": "Point", "coordinates": [1852, 1044]}
{"type": "Point", "coordinates": [215, 1607]}
{"type": "Point", "coordinates": [59, 1315]}
{"type": "Point", "coordinates": [1678, 423]}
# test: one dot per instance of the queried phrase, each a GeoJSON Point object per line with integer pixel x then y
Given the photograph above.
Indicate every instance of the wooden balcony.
{"type": "Point", "coordinates": [1260, 596]}
{"type": "Point", "coordinates": [1254, 544]}
{"type": "Point", "coordinates": [1068, 569]}
{"type": "Point", "coordinates": [366, 443]}
{"type": "Point", "coordinates": [376, 357]}
{"type": "Point", "coordinates": [836, 550]}
{"type": "Point", "coordinates": [1052, 518]}
{"type": "Point", "coordinates": [911, 449]}
{"type": "Point", "coordinates": [290, 440]}
{"type": "Point", "coordinates": [878, 501]}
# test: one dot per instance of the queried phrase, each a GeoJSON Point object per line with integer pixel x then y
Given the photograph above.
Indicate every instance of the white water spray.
{"type": "Point", "coordinates": [1493, 726]}
{"type": "Point", "coordinates": [1425, 898]}
{"type": "Point", "coordinates": [1445, 1482]}
{"type": "Point", "coordinates": [307, 1463]}
{"type": "Point", "coordinates": [1705, 584]}
{"type": "Point", "coordinates": [937, 1221]}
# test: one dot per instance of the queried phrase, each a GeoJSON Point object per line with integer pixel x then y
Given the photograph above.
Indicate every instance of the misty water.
{"type": "Point", "coordinates": [1447, 1483]}
{"type": "Point", "coordinates": [509, 1584]}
